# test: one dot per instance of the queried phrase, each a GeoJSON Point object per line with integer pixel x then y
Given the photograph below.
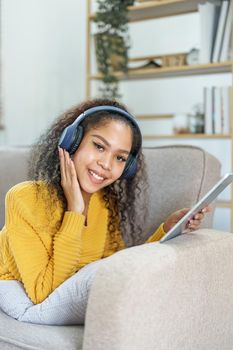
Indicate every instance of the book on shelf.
{"type": "Point", "coordinates": [215, 26]}
{"type": "Point", "coordinates": [208, 110]}
{"type": "Point", "coordinates": [208, 12]}
{"type": "Point", "coordinates": [226, 105]}
{"type": "Point", "coordinates": [215, 30]}
{"type": "Point", "coordinates": [218, 40]}
{"type": "Point", "coordinates": [217, 109]}
{"type": "Point", "coordinates": [225, 53]}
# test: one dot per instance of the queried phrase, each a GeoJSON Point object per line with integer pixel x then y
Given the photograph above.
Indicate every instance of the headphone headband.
{"type": "Point", "coordinates": [113, 109]}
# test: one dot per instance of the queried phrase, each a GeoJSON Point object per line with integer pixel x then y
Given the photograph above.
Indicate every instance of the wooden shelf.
{"type": "Point", "coordinates": [156, 9]}
{"type": "Point", "coordinates": [223, 204]}
{"type": "Point", "coordinates": [176, 71]}
{"type": "Point", "coordinates": [187, 136]}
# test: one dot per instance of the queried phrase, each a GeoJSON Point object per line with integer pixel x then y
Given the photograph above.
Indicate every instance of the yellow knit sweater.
{"type": "Point", "coordinates": [42, 249]}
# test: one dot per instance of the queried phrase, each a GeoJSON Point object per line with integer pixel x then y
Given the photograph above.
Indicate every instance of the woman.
{"type": "Point", "coordinates": [73, 213]}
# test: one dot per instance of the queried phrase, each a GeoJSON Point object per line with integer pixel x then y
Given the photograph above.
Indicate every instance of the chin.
{"type": "Point", "coordinates": [90, 189]}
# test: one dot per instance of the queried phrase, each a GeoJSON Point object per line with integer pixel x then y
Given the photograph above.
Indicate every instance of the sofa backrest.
{"type": "Point", "coordinates": [13, 169]}
{"type": "Point", "coordinates": [178, 177]}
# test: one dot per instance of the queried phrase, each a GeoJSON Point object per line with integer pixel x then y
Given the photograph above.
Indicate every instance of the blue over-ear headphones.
{"type": "Point", "coordinates": [72, 135]}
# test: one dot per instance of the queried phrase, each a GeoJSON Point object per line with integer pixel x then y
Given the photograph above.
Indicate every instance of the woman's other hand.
{"type": "Point", "coordinates": [69, 183]}
{"type": "Point", "coordinates": [193, 224]}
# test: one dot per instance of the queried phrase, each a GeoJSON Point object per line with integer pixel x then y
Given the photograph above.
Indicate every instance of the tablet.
{"type": "Point", "coordinates": [204, 201]}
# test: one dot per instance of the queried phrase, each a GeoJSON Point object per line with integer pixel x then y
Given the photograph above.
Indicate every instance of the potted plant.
{"type": "Point", "coordinates": [112, 42]}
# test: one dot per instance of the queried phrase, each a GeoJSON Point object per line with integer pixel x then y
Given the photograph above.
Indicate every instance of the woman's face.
{"type": "Point", "coordinates": [101, 157]}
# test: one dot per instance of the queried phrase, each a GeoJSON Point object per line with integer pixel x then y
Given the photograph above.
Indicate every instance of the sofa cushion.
{"type": "Point", "coordinates": [19, 335]}
{"type": "Point", "coordinates": [171, 296]}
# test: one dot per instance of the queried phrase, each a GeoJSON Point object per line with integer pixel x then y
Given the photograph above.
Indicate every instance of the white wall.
{"type": "Point", "coordinates": [43, 64]}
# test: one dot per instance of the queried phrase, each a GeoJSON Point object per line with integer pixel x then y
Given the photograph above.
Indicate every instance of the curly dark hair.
{"type": "Point", "coordinates": [122, 198]}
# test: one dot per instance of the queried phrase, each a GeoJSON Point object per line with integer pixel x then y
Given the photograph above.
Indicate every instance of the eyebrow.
{"type": "Point", "coordinates": [108, 144]}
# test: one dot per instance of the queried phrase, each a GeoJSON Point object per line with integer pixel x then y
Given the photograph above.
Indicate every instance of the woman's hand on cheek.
{"type": "Point", "coordinates": [193, 224]}
{"type": "Point", "coordinates": [69, 183]}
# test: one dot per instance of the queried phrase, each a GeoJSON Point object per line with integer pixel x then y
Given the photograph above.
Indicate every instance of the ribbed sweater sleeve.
{"type": "Point", "coordinates": [43, 261]}
{"type": "Point", "coordinates": [157, 235]}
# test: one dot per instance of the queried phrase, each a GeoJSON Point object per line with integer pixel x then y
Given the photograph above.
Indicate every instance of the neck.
{"type": "Point", "coordinates": [86, 198]}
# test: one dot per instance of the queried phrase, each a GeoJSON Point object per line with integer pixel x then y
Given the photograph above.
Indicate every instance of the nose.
{"type": "Point", "coordinates": [105, 162]}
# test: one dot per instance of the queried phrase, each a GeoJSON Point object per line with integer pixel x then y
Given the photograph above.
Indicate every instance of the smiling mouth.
{"type": "Point", "coordinates": [96, 176]}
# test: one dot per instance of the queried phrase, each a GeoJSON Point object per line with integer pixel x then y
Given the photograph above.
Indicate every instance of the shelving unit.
{"type": "Point", "coordinates": [154, 10]}
{"type": "Point", "coordinates": [153, 73]}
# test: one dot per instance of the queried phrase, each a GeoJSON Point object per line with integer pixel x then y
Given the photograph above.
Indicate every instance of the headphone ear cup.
{"type": "Point", "coordinates": [130, 169]}
{"type": "Point", "coordinates": [76, 139]}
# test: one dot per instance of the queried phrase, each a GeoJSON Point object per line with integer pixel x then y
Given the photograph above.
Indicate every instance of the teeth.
{"type": "Point", "coordinates": [96, 176]}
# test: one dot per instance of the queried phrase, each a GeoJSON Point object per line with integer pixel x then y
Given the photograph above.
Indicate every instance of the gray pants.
{"type": "Point", "coordinates": [65, 305]}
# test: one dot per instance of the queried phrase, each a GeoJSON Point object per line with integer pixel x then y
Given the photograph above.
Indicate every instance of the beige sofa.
{"type": "Point", "coordinates": [177, 295]}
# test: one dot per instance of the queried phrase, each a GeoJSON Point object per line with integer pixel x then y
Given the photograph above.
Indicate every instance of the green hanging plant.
{"type": "Point", "coordinates": [112, 43]}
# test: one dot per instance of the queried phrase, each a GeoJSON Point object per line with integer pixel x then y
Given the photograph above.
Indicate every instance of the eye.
{"type": "Point", "coordinates": [98, 146]}
{"type": "Point", "coordinates": [121, 159]}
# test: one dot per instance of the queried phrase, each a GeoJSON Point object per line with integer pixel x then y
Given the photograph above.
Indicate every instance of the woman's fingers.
{"type": "Point", "coordinates": [199, 216]}
{"type": "Point", "coordinates": [195, 222]}
{"type": "Point", "coordinates": [72, 170]}
{"type": "Point", "coordinates": [67, 166]}
{"type": "Point", "coordinates": [62, 163]}
{"type": "Point", "coordinates": [70, 184]}
{"type": "Point", "coordinates": [207, 209]}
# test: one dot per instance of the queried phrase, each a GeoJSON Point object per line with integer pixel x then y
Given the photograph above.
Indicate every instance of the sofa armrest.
{"type": "Point", "coordinates": [176, 295]}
